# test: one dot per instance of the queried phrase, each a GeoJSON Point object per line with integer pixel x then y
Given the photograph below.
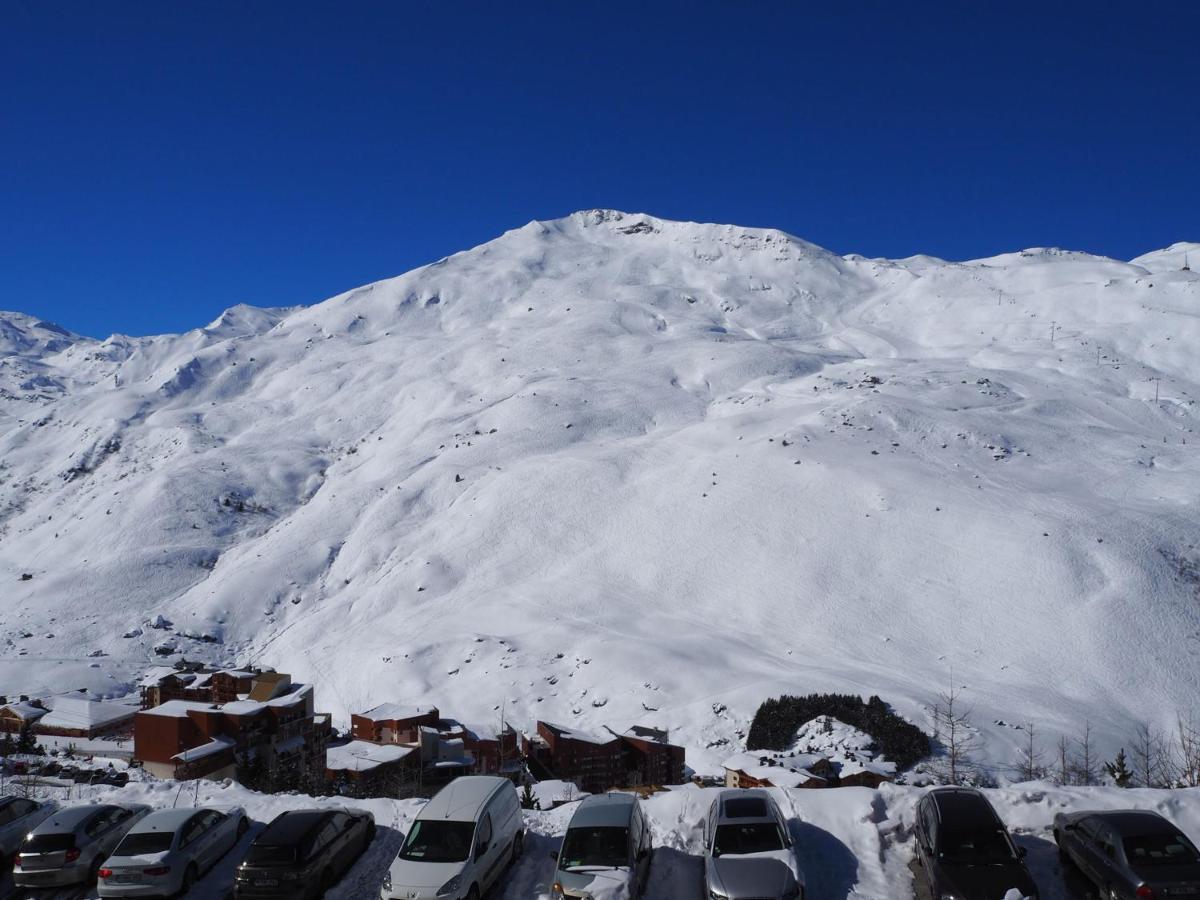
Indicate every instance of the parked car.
{"type": "Point", "coordinates": [117, 779]}
{"type": "Point", "coordinates": [69, 845]}
{"type": "Point", "coordinates": [51, 768]}
{"type": "Point", "coordinates": [303, 853]}
{"type": "Point", "coordinates": [963, 849]}
{"type": "Point", "coordinates": [606, 850]}
{"type": "Point", "coordinates": [460, 842]}
{"type": "Point", "coordinates": [748, 852]}
{"type": "Point", "coordinates": [18, 817]}
{"type": "Point", "coordinates": [83, 776]}
{"type": "Point", "coordinates": [1130, 854]}
{"type": "Point", "coordinates": [164, 853]}
{"type": "Point", "coordinates": [67, 773]}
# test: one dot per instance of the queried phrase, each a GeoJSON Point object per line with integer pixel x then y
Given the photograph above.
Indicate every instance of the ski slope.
{"type": "Point", "coordinates": [612, 469]}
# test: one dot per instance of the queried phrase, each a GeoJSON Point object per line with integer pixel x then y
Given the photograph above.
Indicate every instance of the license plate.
{"type": "Point", "coordinates": [128, 879]}
{"type": "Point", "coordinates": [266, 882]}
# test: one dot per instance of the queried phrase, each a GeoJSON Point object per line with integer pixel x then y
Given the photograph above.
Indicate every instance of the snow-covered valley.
{"type": "Point", "coordinates": [612, 469]}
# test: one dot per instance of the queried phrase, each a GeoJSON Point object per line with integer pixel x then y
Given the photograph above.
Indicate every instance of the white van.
{"type": "Point", "coordinates": [460, 843]}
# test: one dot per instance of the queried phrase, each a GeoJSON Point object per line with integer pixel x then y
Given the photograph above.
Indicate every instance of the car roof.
{"type": "Point", "coordinates": [293, 826]}
{"type": "Point", "coordinates": [165, 820]}
{"type": "Point", "coordinates": [463, 798]}
{"type": "Point", "coordinates": [69, 819]}
{"type": "Point", "coordinates": [963, 808]}
{"type": "Point", "coordinates": [745, 806]}
{"type": "Point", "coordinates": [1128, 823]}
{"type": "Point", "coordinates": [604, 810]}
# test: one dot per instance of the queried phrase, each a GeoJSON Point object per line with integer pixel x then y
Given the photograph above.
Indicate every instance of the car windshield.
{"type": "Point", "coordinates": [594, 847]}
{"type": "Point", "coordinates": [266, 855]}
{"type": "Point", "coordinates": [432, 841]}
{"type": "Point", "coordinates": [136, 844]}
{"type": "Point", "coordinates": [1160, 850]}
{"type": "Point", "coordinates": [48, 843]}
{"type": "Point", "coordinates": [753, 837]}
{"type": "Point", "coordinates": [975, 848]}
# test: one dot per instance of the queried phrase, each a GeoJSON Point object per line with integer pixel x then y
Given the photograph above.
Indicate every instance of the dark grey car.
{"type": "Point", "coordinates": [68, 847]}
{"type": "Point", "coordinates": [18, 817]}
{"type": "Point", "coordinates": [964, 851]}
{"type": "Point", "coordinates": [1130, 854]}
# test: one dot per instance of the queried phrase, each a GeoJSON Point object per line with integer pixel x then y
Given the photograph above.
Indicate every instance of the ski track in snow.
{"type": "Point", "coordinates": [705, 464]}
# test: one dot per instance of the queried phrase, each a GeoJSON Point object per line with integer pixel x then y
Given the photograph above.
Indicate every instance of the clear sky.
{"type": "Point", "coordinates": [162, 161]}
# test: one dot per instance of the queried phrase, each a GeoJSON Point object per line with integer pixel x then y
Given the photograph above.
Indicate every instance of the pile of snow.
{"type": "Point", "coordinates": [616, 469]}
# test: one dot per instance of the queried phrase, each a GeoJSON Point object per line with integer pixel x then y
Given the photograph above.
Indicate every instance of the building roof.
{"type": "Point", "coordinates": [25, 710]}
{"type": "Point", "coordinates": [572, 734]}
{"type": "Point", "coordinates": [603, 810]}
{"type": "Point", "coordinates": [269, 685]}
{"type": "Point", "coordinates": [157, 674]}
{"type": "Point", "coordinates": [178, 709]}
{"type": "Point", "coordinates": [362, 756]}
{"type": "Point", "coordinates": [78, 713]}
{"type": "Point", "coordinates": [209, 748]}
{"type": "Point", "coordinates": [395, 712]}
{"type": "Point", "coordinates": [791, 772]}
{"type": "Point", "coordinates": [461, 799]}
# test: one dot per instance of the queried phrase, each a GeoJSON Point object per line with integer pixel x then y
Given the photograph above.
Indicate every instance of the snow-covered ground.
{"type": "Point", "coordinates": [613, 469]}
{"type": "Point", "coordinates": [852, 842]}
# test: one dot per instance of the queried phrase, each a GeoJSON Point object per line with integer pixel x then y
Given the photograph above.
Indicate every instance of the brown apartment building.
{"type": "Point", "coordinates": [271, 737]}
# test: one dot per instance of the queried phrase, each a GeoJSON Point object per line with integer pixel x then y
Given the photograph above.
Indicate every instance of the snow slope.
{"type": "Point", "coordinates": [613, 469]}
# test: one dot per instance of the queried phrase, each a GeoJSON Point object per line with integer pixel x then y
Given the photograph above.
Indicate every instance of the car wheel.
{"type": "Point", "coordinates": [326, 883]}
{"type": "Point", "coordinates": [189, 878]}
{"type": "Point", "coordinates": [518, 845]}
{"type": "Point", "coordinates": [473, 894]}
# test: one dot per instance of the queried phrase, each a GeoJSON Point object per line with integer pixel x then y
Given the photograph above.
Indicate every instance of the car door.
{"type": "Point", "coordinates": [217, 828]}
{"type": "Point", "coordinates": [191, 841]}
{"type": "Point", "coordinates": [484, 854]}
{"type": "Point", "coordinates": [1087, 834]}
{"type": "Point", "coordinates": [1107, 857]}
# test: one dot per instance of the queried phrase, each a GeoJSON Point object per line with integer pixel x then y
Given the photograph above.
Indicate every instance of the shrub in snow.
{"type": "Point", "coordinates": [776, 722]}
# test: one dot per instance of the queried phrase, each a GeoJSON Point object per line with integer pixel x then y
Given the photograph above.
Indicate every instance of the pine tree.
{"type": "Point", "coordinates": [26, 742]}
{"type": "Point", "coordinates": [1118, 771]}
{"type": "Point", "coordinates": [528, 800]}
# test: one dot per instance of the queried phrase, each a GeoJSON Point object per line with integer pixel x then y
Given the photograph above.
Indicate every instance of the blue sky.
{"type": "Point", "coordinates": [163, 161]}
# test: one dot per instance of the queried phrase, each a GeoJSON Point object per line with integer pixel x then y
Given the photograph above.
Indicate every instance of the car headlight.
{"type": "Point", "coordinates": [950, 897]}
{"type": "Point", "coordinates": [387, 880]}
{"type": "Point", "coordinates": [450, 886]}
{"type": "Point", "coordinates": [714, 894]}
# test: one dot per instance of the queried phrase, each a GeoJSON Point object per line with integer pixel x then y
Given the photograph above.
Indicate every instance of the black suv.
{"type": "Point", "coordinates": [964, 850]}
{"type": "Point", "coordinates": [303, 853]}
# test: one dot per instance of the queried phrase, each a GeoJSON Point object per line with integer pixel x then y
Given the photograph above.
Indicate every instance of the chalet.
{"type": "Point", "coordinates": [756, 769]}
{"type": "Point", "coordinates": [81, 716]}
{"type": "Point", "coordinates": [591, 761]}
{"type": "Point", "coordinates": [392, 723]}
{"type": "Point", "coordinates": [274, 737]}
{"type": "Point", "coordinates": [493, 751]}
{"type": "Point", "coordinates": [649, 758]}
{"type": "Point", "coordinates": [164, 683]}
{"type": "Point", "coordinates": [366, 769]}
{"type": "Point", "coordinates": [18, 715]}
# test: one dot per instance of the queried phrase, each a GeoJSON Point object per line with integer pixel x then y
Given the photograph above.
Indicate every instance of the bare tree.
{"type": "Point", "coordinates": [1030, 766]}
{"type": "Point", "coordinates": [1151, 765]}
{"type": "Point", "coordinates": [1187, 738]}
{"type": "Point", "coordinates": [1085, 762]}
{"type": "Point", "coordinates": [1066, 771]}
{"type": "Point", "coordinates": [952, 727]}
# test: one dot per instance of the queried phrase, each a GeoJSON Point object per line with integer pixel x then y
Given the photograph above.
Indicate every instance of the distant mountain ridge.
{"type": "Point", "coordinates": [611, 469]}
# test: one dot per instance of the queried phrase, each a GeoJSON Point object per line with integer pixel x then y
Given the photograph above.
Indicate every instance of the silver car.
{"type": "Point", "coordinates": [69, 846]}
{"type": "Point", "coordinates": [747, 849]}
{"type": "Point", "coordinates": [18, 817]}
{"type": "Point", "coordinates": [164, 853]}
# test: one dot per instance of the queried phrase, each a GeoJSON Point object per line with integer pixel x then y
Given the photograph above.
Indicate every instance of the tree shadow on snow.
{"type": "Point", "coordinates": [1054, 879]}
{"type": "Point", "coordinates": [830, 869]}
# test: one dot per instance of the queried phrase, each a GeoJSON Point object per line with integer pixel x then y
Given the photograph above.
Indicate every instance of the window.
{"type": "Point", "coordinates": [751, 837]}
{"type": "Point", "coordinates": [192, 830]}
{"type": "Point", "coordinates": [1160, 850]}
{"type": "Point", "coordinates": [143, 842]}
{"type": "Point", "coordinates": [745, 808]}
{"type": "Point", "coordinates": [261, 855]}
{"type": "Point", "coordinates": [22, 808]}
{"type": "Point", "coordinates": [7, 814]}
{"type": "Point", "coordinates": [438, 841]}
{"type": "Point", "coordinates": [99, 823]}
{"type": "Point", "coordinates": [975, 848]}
{"type": "Point", "coordinates": [484, 836]}
{"type": "Point", "coordinates": [600, 846]}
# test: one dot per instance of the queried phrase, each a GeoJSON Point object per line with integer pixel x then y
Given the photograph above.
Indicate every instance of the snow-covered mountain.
{"type": "Point", "coordinates": [613, 469]}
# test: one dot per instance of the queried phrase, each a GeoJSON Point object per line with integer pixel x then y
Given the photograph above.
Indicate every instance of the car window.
{"type": "Point", "coordinates": [1090, 829]}
{"type": "Point", "coordinates": [1161, 850]}
{"type": "Point", "coordinates": [594, 846]}
{"type": "Point", "coordinates": [323, 838]}
{"type": "Point", "coordinates": [485, 831]}
{"type": "Point", "coordinates": [99, 823]}
{"type": "Point", "coordinates": [139, 843]}
{"type": "Point", "coordinates": [748, 837]}
{"type": "Point", "coordinates": [431, 840]}
{"type": "Point", "coordinates": [211, 818]}
{"type": "Point", "coordinates": [23, 808]}
{"type": "Point", "coordinates": [340, 821]}
{"type": "Point", "coordinates": [191, 830]}
{"type": "Point", "coordinates": [7, 814]}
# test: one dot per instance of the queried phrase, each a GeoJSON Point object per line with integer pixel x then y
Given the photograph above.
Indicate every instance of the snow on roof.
{"type": "Point", "coordinates": [216, 745]}
{"type": "Point", "coordinates": [574, 735]}
{"type": "Point", "coordinates": [24, 710]}
{"type": "Point", "coordinates": [178, 709]}
{"type": "Point", "coordinates": [362, 756]}
{"type": "Point", "coordinates": [789, 771]}
{"type": "Point", "coordinates": [72, 712]}
{"type": "Point", "coordinates": [155, 675]}
{"type": "Point", "coordinates": [386, 712]}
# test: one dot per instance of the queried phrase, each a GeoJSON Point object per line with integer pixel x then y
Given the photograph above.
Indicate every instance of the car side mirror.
{"type": "Point", "coordinates": [554, 854]}
{"type": "Point", "coordinates": [643, 853]}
